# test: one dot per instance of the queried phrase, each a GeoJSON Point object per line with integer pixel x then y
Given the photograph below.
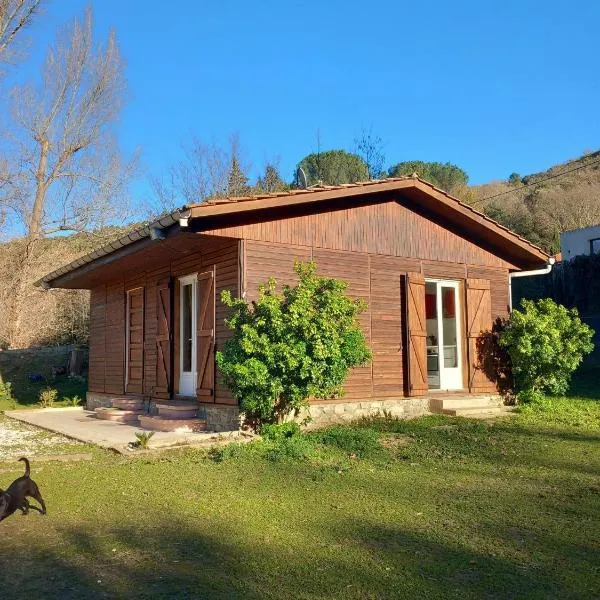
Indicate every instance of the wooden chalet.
{"type": "Point", "coordinates": [433, 271]}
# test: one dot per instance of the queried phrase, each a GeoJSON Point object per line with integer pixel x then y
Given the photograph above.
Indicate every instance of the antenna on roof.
{"type": "Point", "coordinates": [301, 180]}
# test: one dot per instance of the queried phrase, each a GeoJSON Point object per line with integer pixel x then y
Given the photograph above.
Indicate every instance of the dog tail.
{"type": "Point", "coordinates": [27, 467]}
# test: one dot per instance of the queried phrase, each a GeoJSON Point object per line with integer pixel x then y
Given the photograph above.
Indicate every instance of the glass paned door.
{"type": "Point", "coordinates": [444, 369]}
{"type": "Point", "coordinates": [187, 335]}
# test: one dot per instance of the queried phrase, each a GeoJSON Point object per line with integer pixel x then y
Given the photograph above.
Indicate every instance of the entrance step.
{"type": "Point", "coordinates": [473, 407]}
{"type": "Point", "coordinates": [178, 410]}
{"type": "Point", "coordinates": [469, 402]}
{"type": "Point", "coordinates": [127, 403]}
{"type": "Point", "coordinates": [118, 415]}
{"type": "Point", "coordinates": [474, 413]}
{"type": "Point", "coordinates": [160, 423]}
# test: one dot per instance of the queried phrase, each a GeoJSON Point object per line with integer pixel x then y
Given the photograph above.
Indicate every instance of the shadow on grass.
{"type": "Point", "coordinates": [175, 560]}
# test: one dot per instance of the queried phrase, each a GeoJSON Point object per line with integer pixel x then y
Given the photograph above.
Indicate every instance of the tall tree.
{"type": "Point", "coordinates": [68, 169]}
{"type": "Point", "coordinates": [446, 176]}
{"type": "Point", "coordinates": [15, 16]}
{"type": "Point", "coordinates": [334, 167]}
{"type": "Point", "coordinates": [237, 181]}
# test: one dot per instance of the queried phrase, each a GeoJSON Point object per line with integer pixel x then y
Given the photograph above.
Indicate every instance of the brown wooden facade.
{"type": "Point", "coordinates": [385, 246]}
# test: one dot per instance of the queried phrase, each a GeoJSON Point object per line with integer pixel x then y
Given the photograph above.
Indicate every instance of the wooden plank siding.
{"type": "Point", "coordinates": [97, 339]}
{"type": "Point", "coordinates": [371, 246]}
{"type": "Point", "coordinates": [385, 228]}
{"type": "Point", "coordinates": [108, 310]}
{"type": "Point", "coordinates": [380, 281]}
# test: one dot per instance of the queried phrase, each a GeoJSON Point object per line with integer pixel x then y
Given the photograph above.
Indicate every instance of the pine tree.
{"type": "Point", "coordinates": [237, 182]}
{"type": "Point", "coordinates": [270, 182]}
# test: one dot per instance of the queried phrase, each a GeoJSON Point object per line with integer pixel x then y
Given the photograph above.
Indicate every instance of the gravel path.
{"type": "Point", "coordinates": [18, 439]}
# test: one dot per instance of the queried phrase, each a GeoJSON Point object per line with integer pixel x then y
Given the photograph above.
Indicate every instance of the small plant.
{"type": "Point", "coordinates": [143, 439]}
{"type": "Point", "coordinates": [546, 342]}
{"type": "Point", "coordinates": [73, 401]}
{"type": "Point", "coordinates": [279, 432]}
{"type": "Point", "coordinates": [5, 391]}
{"type": "Point", "coordinates": [48, 397]}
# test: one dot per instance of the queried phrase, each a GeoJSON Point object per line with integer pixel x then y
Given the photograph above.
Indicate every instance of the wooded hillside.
{"type": "Point", "coordinates": [542, 205]}
{"type": "Point", "coordinates": [48, 317]}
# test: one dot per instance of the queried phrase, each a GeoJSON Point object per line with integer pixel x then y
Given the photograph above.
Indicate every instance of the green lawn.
{"type": "Point", "coordinates": [432, 508]}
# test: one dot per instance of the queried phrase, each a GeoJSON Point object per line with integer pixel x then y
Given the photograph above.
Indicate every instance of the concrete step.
{"type": "Point", "coordinates": [177, 410]}
{"type": "Point", "coordinates": [474, 413]}
{"type": "Point", "coordinates": [158, 423]}
{"type": "Point", "coordinates": [127, 403]}
{"type": "Point", "coordinates": [118, 415]}
{"type": "Point", "coordinates": [472, 402]}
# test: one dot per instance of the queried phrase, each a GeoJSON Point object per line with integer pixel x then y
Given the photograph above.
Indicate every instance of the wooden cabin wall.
{"type": "Point", "coordinates": [385, 228]}
{"type": "Point", "coordinates": [108, 319]}
{"type": "Point", "coordinates": [379, 280]}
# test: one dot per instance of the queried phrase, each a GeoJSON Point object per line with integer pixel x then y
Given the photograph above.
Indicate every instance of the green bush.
{"type": "Point", "coordinates": [289, 347]}
{"type": "Point", "coordinates": [363, 442]}
{"type": "Point", "coordinates": [546, 342]}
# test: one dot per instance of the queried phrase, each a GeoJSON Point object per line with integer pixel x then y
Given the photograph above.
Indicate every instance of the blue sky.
{"type": "Point", "coordinates": [493, 87]}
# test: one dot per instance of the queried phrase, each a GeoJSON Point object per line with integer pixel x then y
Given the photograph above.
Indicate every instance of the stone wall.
{"type": "Point", "coordinates": [221, 418]}
{"type": "Point", "coordinates": [229, 418]}
{"type": "Point", "coordinates": [331, 413]}
{"type": "Point", "coordinates": [95, 400]}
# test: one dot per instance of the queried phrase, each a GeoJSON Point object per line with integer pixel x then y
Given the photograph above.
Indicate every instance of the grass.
{"type": "Point", "coordinates": [431, 508]}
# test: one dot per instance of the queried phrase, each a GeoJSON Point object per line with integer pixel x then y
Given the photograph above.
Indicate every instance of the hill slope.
{"type": "Point", "coordinates": [542, 205]}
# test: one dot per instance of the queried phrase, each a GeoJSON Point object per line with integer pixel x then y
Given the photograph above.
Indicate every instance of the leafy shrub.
{"type": "Point", "coordinates": [5, 391]}
{"type": "Point", "coordinates": [363, 442]}
{"type": "Point", "coordinates": [279, 432]}
{"type": "Point", "coordinates": [48, 397]}
{"type": "Point", "coordinates": [546, 342]}
{"type": "Point", "coordinates": [292, 346]}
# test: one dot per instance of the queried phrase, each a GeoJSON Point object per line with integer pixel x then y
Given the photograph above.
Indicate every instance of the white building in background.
{"type": "Point", "coordinates": [580, 241]}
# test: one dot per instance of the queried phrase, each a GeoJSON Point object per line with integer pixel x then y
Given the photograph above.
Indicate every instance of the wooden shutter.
{"type": "Point", "coordinates": [479, 326]}
{"type": "Point", "coordinates": [163, 339]}
{"type": "Point", "coordinates": [205, 337]}
{"type": "Point", "coordinates": [135, 341]}
{"type": "Point", "coordinates": [417, 335]}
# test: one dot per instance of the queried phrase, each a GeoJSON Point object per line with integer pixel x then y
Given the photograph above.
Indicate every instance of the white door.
{"type": "Point", "coordinates": [187, 334]}
{"type": "Point", "coordinates": [442, 314]}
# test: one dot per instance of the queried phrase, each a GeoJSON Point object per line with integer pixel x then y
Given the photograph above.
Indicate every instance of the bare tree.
{"type": "Point", "coordinates": [15, 16]}
{"type": "Point", "coordinates": [68, 174]}
{"type": "Point", "coordinates": [203, 172]}
{"type": "Point", "coordinates": [370, 148]}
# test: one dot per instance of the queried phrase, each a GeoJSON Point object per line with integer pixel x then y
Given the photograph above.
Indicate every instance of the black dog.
{"type": "Point", "coordinates": [15, 497]}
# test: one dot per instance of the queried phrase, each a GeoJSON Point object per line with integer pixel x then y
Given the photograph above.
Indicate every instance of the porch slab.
{"type": "Point", "coordinates": [82, 425]}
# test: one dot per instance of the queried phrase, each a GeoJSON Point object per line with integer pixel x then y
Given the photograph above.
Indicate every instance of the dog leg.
{"type": "Point", "coordinates": [39, 498]}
